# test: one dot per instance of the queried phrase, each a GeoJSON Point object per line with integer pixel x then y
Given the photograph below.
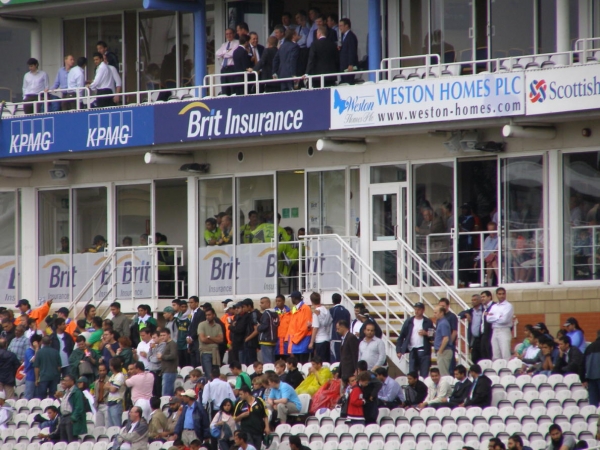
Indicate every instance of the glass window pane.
{"type": "Point", "coordinates": [215, 202]}
{"type": "Point", "coordinates": [186, 51]}
{"type": "Point", "coordinates": [89, 214]}
{"type": "Point", "coordinates": [414, 26]}
{"type": "Point", "coordinates": [450, 22]}
{"type": "Point", "coordinates": [581, 202]}
{"type": "Point", "coordinates": [385, 264]}
{"type": "Point", "coordinates": [546, 26]}
{"type": "Point", "coordinates": [512, 25]}
{"type": "Point", "coordinates": [523, 219]}
{"type": "Point", "coordinates": [326, 202]}
{"type": "Point", "coordinates": [133, 213]}
{"type": "Point", "coordinates": [157, 42]}
{"type": "Point", "coordinates": [388, 174]}
{"type": "Point", "coordinates": [358, 11]}
{"type": "Point", "coordinates": [354, 202]}
{"type": "Point", "coordinates": [73, 37]}
{"type": "Point", "coordinates": [107, 29]}
{"type": "Point", "coordinates": [385, 217]}
{"type": "Point", "coordinates": [433, 187]}
{"type": "Point", "coordinates": [7, 224]}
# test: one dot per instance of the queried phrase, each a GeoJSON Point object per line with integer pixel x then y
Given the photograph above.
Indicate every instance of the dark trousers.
{"type": "Point", "coordinates": [65, 429]}
{"type": "Point", "coordinates": [302, 357]}
{"type": "Point", "coordinates": [28, 109]}
{"type": "Point", "coordinates": [103, 102]}
{"type": "Point", "coordinates": [46, 389]}
{"type": "Point", "coordinates": [234, 355]}
{"type": "Point", "coordinates": [184, 358]}
{"type": "Point", "coordinates": [248, 356]}
{"type": "Point", "coordinates": [476, 349]}
{"type": "Point", "coordinates": [347, 79]}
{"type": "Point", "coordinates": [594, 392]}
{"type": "Point", "coordinates": [157, 387]}
{"type": "Point", "coordinates": [194, 354]}
{"type": "Point", "coordinates": [322, 351]}
{"type": "Point", "coordinates": [227, 80]}
{"type": "Point", "coordinates": [336, 347]}
{"type": "Point", "coordinates": [486, 347]}
{"type": "Point", "coordinates": [419, 361]}
{"type": "Point", "coordinates": [256, 440]}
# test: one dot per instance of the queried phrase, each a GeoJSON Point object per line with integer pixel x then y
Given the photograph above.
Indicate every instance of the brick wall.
{"type": "Point", "coordinates": [527, 319]}
{"type": "Point", "coordinates": [589, 323]}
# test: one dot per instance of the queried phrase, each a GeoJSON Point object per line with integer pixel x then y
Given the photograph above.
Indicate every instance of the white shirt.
{"type": "Point", "coordinates": [127, 445]}
{"type": "Point", "coordinates": [75, 78]}
{"type": "Point", "coordinates": [143, 347]}
{"type": "Point", "coordinates": [531, 352]}
{"type": "Point", "coordinates": [255, 53]}
{"type": "Point", "coordinates": [438, 393]}
{"type": "Point", "coordinates": [501, 315]}
{"type": "Point", "coordinates": [90, 399]}
{"type": "Point", "coordinates": [216, 391]}
{"type": "Point", "coordinates": [116, 77]}
{"type": "Point", "coordinates": [372, 352]}
{"type": "Point", "coordinates": [322, 323]}
{"type": "Point", "coordinates": [34, 83]}
{"type": "Point", "coordinates": [356, 327]}
{"type": "Point", "coordinates": [226, 54]}
{"type": "Point", "coordinates": [103, 78]}
{"type": "Point", "coordinates": [64, 358]}
{"type": "Point", "coordinates": [6, 412]}
{"type": "Point", "coordinates": [415, 339]}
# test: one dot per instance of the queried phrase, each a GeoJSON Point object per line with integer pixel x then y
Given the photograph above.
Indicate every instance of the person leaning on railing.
{"type": "Point", "coordinates": [34, 83]}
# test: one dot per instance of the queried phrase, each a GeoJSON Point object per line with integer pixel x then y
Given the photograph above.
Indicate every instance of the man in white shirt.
{"type": "Point", "coordinates": [34, 82]}
{"type": "Point", "coordinates": [371, 349]}
{"type": "Point", "coordinates": [256, 50]}
{"type": "Point", "coordinates": [103, 82]}
{"type": "Point", "coordinates": [216, 391]}
{"type": "Point", "coordinates": [438, 389]}
{"type": "Point", "coordinates": [134, 435]}
{"type": "Point", "coordinates": [225, 57]}
{"type": "Point", "coordinates": [75, 79]}
{"type": "Point", "coordinates": [501, 317]}
{"type": "Point", "coordinates": [321, 324]}
{"type": "Point", "coordinates": [143, 347]}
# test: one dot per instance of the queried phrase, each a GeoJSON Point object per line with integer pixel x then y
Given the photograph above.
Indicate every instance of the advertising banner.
{"type": "Point", "coordinates": [77, 131]}
{"type": "Point", "coordinates": [242, 116]}
{"type": "Point", "coordinates": [7, 280]}
{"type": "Point", "coordinates": [57, 277]}
{"type": "Point", "coordinates": [562, 89]}
{"type": "Point", "coordinates": [429, 100]}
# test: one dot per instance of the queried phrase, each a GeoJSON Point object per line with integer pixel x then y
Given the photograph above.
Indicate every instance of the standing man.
{"type": "Point", "coordinates": [322, 58]}
{"type": "Point", "coordinates": [75, 80]}
{"type": "Point", "coordinates": [313, 14]}
{"type": "Point", "coordinates": [143, 348]}
{"type": "Point", "coordinates": [197, 316]}
{"type": "Point", "coordinates": [169, 316]}
{"type": "Point", "coordinates": [321, 325]}
{"type": "Point", "coordinates": [414, 340]}
{"type": "Point", "coordinates": [61, 81]}
{"type": "Point", "coordinates": [285, 64]}
{"type": "Point", "coordinates": [501, 318]}
{"type": "Point", "coordinates": [141, 383]}
{"type": "Point", "coordinates": [337, 313]}
{"type": "Point", "coordinates": [371, 349]}
{"type": "Point", "coordinates": [348, 351]}
{"type": "Point", "coordinates": [256, 50]}
{"type": "Point", "coordinates": [103, 81]}
{"type": "Point", "coordinates": [299, 332]}
{"type": "Point", "coordinates": [442, 340]}
{"type": "Point", "coordinates": [63, 313]}
{"type": "Point", "coordinates": [215, 392]}
{"type": "Point", "coordinates": [9, 363]}
{"type": "Point", "coordinates": [241, 62]}
{"type": "Point", "coordinates": [19, 344]}
{"type": "Point", "coordinates": [251, 414]}
{"type": "Point", "coordinates": [183, 326]}
{"type": "Point", "coordinates": [474, 318]}
{"type": "Point", "coordinates": [134, 434]}
{"type": "Point", "coordinates": [592, 370]}
{"type": "Point", "coordinates": [72, 412]}
{"type": "Point", "coordinates": [210, 334]}
{"type": "Point", "coordinates": [348, 50]}
{"type": "Point", "coordinates": [284, 324]}
{"type": "Point", "coordinates": [250, 348]}
{"type": "Point", "coordinates": [63, 343]}
{"type": "Point", "coordinates": [486, 327]}
{"type": "Point", "coordinates": [101, 396]}
{"type": "Point", "coordinates": [453, 321]}
{"type": "Point", "coordinates": [193, 423]}
{"type": "Point", "coordinates": [111, 57]}
{"type": "Point", "coordinates": [34, 83]}
{"type": "Point", "coordinates": [39, 314]}
{"type": "Point", "coordinates": [225, 57]}
{"type": "Point", "coordinates": [268, 329]}
{"type": "Point", "coordinates": [121, 323]}
{"type": "Point", "coordinates": [168, 362]}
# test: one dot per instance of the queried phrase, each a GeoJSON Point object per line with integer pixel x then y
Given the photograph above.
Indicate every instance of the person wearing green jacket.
{"type": "Point", "coordinates": [72, 411]}
{"type": "Point", "coordinates": [80, 353]}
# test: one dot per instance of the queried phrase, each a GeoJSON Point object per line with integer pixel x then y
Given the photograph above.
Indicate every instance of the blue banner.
{"type": "Point", "coordinates": [235, 117]}
{"type": "Point", "coordinates": [77, 131]}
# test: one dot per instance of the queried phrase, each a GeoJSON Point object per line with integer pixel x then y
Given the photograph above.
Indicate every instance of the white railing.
{"type": "Point", "coordinates": [337, 259]}
{"type": "Point", "coordinates": [585, 252]}
{"type": "Point", "coordinates": [416, 277]}
{"type": "Point", "coordinates": [133, 273]}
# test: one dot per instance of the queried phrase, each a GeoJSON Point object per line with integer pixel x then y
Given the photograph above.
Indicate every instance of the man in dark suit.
{"type": "Point", "coordinates": [197, 316]}
{"type": "Point", "coordinates": [486, 335]}
{"type": "Point", "coordinates": [348, 352]}
{"type": "Point", "coordinates": [460, 391]}
{"type": "Point", "coordinates": [419, 345]}
{"type": "Point", "coordinates": [348, 50]}
{"type": "Point", "coordinates": [265, 64]}
{"type": "Point", "coordinates": [241, 62]}
{"type": "Point", "coordinates": [255, 50]}
{"type": "Point", "coordinates": [322, 58]}
{"type": "Point", "coordinates": [330, 34]}
{"type": "Point", "coordinates": [481, 390]}
{"type": "Point", "coordinates": [474, 317]}
{"type": "Point", "coordinates": [286, 59]}
{"type": "Point", "coordinates": [570, 359]}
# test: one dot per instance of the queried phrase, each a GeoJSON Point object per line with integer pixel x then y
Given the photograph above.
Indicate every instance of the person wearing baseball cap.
{"type": "Point", "coordinates": [300, 328]}
{"type": "Point", "coordinates": [414, 340]}
{"type": "Point", "coordinates": [575, 332]}
{"type": "Point", "coordinates": [39, 314]}
{"type": "Point", "coordinates": [193, 422]}
{"type": "Point", "coordinates": [226, 320]}
{"type": "Point", "coordinates": [169, 316]}
{"type": "Point", "coordinates": [63, 313]}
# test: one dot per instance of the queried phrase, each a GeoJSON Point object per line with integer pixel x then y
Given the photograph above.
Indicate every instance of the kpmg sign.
{"type": "Point", "coordinates": [235, 117]}
{"type": "Point", "coordinates": [429, 100]}
{"type": "Point", "coordinates": [77, 131]}
{"type": "Point", "coordinates": [563, 89]}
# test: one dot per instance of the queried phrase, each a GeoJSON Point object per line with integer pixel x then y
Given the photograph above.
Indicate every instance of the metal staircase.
{"type": "Point", "coordinates": [333, 265]}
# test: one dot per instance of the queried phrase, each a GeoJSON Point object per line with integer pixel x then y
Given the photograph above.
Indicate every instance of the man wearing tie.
{"type": "Point", "coordinates": [481, 391]}
{"type": "Point", "coordinates": [348, 50]}
{"type": "Point", "coordinates": [256, 50]}
{"type": "Point", "coordinates": [197, 316]}
{"type": "Point", "coordinates": [486, 327]}
{"type": "Point", "coordinates": [225, 57]}
{"type": "Point", "coordinates": [474, 318]}
{"type": "Point", "coordinates": [241, 62]}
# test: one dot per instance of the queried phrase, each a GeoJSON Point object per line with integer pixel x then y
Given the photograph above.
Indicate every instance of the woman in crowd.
{"type": "Point", "coordinates": [224, 420]}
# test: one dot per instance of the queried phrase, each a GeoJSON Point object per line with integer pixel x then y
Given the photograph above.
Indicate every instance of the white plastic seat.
{"type": "Point", "coordinates": [305, 402]}
{"type": "Point", "coordinates": [547, 395]}
{"type": "Point", "coordinates": [580, 394]}
{"type": "Point", "coordinates": [427, 412]}
{"type": "Point", "coordinates": [571, 379]}
{"type": "Point", "coordinates": [499, 364]}
{"type": "Point", "coordinates": [156, 445]}
{"type": "Point", "coordinates": [282, 428]}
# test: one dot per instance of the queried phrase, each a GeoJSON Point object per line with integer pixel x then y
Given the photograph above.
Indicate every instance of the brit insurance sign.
{"type": "Point", "coordinates": [563, 89]}
{"type": "Point", "coordinates": [429, 100]}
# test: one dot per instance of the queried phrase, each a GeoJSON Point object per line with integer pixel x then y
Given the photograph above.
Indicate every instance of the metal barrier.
{"type": "Point", "coordinates": [133, 273]}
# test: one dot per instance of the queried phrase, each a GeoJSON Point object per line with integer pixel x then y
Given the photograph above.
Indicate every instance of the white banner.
{"type": "Point", "coordinates": [7, 280]}
{"type": "Point", "coordinates": [429, 100]}
{"type": "Point", "coordinates": [563, 89]}
{"type": "Point", "coordinates": [56, 277]}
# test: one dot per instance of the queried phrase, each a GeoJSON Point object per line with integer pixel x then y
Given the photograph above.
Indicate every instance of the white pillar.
{"type": "Point", "coordinates": [192, 230]}
{"type": "Point", "coordinates": [36, 43]}
{"type": "Point", "coordinates": [553, 219]}
{"type": "Point", "coordinates": [563, 40]}
{"type": "Point", "coordinates": [29, 239]}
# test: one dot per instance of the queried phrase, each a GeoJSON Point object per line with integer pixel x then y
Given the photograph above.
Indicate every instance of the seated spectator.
{"type": "Point", "coordinates": [329, 394]}
{"type": "Point", "coordinates": [212, 234]}
{"type": "Point", "coordinates": [522, 347]}
{"type": "Point", "coordinates": [134, 435]}
{"type": "Point", "coordinates": [293, 377]}
{"type": "Point", "coordinates": [225, 422]}
{"type": "Point", "coordinates": [317, 377]}
{"type": "Point", "coordinates": [415, 392]}
{"type": "Point", "coordinates": [356, 400]}
{"type": "Point", "coordinates": [438, 389]}
{"type": "Point", "coordinates": [391, 394]}
{"type": "Point", "coordinates": [296, 443]}
{"type": "Point", "coordinates": [158, 421]}
{"type": "Point", "coordinates": [280, 366]}
{"type": "Point", "coordinates": [258, 370]}
{"type": "Point", "coordinates": [542, 328]}
{"type": "Point", "coordinates": [558, 441]}
{"type": "Point", "coordinates": [52, 424]}
{"type": "Point", "coordinates": [242, 378]}
{"type": "Point", "coordinates": [282, 398]}
{"type": "Point", "coordinates": [240, 439]}
{"type": "Point", "coordinates": [544, 363]}
{"type": "Point", "coordinates": [481, 390]}
{"type": "Point", "coordinates": [575, 333]}
{"type": "Point", "coordinates": [570, 359]}
{"type": "Point", "coordinates": [258, 390]}
{"type": "Point", "coordinates": [515, 442]}
{"type": "Point", "coordinates": [532, 351]}
{"type": "Point", "coordinates": [460, 390]}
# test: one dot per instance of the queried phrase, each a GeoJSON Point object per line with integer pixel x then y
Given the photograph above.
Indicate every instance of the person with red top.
{"type": "Point", "coordinates": [39, 314]}
{"type": "Point", "coordinates": [356, 402]}
{"type": "Point", "coordinates": [300, 328]}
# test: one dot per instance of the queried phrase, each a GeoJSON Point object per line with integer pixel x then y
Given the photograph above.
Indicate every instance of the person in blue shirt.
{"type": "Point", "coordinates": [575, 332]}
{"type": "Point", "coordinates": [61, 82]}
{"type": "Point", "coordinates": [35, 341]}
{"type": "Point", "coordinates": [442, 343]}
{"type": "Point", "coordinates": [283, 398]}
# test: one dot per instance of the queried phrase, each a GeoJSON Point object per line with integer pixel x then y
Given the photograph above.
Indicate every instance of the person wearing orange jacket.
{"type": "Point", "coordinates": [300, 329]}
{"type": "Point", "coordinates": [226, 319]}
{"type": "Point", "coordinates": [39, 314]}
{"type": "Point", "coordinates": [284, 324]}
{"type": "Point", "coordinates": [63, 313]}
